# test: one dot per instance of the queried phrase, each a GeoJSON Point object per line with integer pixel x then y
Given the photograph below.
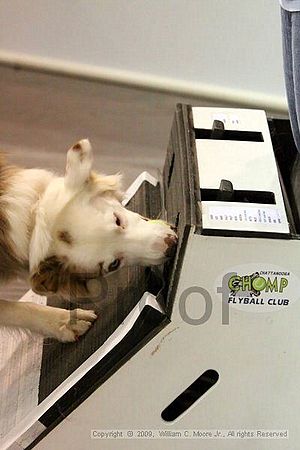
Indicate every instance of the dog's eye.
{"type": "Point", "coordinates": [118, 221]}
{"type": "Point", "coordinates": [114, 265]}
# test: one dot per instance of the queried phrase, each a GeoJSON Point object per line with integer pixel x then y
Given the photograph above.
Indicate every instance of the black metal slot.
{"type": "Point", "coordinates": [171, 169]}
{"type": "Point", "coordinates": [190, 395]}
{"type": "Point", "coordinates": [238, 196]}
{"type": "Point", "coordinates": [229, 135]}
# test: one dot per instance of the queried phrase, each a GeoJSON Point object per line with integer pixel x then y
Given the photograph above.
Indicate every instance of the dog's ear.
{"type": "Point", "coordinates": [79, 165]}
{"type": "Point", "coordinates": [53, 276]}
{"type": "Point", "coordinates": [48, 276]}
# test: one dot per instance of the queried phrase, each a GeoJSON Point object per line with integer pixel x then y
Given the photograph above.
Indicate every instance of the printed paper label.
{"type": "Point", "coordinates": [240, 214]}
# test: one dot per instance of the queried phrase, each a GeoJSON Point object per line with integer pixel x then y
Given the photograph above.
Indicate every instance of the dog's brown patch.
{"type": "Point", "coordinates": [171, 242]}
{"type": "Point", "coordinates": [77, 147]}
{"type": "Point", "coordinates": [65, 237]}
{"type": "Point", "coordinates": [55, 276]}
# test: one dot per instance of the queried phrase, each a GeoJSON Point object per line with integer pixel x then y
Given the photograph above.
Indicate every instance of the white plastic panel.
{"type": "Point", "coordinates": [247, 165]}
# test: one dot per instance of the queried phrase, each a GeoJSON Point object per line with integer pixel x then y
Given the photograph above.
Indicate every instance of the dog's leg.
{"type": "Point", "coordinates": [64, 325]}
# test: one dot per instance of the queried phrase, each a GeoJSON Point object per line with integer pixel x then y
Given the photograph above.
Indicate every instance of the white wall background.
{"type": "Point", "coordinates": [218, 47]}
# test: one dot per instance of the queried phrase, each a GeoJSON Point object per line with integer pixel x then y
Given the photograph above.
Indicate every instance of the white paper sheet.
{"type": "Point", "coordinates": [20, 365]}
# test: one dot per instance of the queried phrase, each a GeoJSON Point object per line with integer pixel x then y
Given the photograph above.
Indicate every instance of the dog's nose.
{"type": "Point", "coordinates": [171, 242]}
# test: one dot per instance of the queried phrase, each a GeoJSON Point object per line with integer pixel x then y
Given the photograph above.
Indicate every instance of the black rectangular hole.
{"type": "Point", "coordinates": [240, 196]}
{"type": "Point", "coordinates": [171, 169]}
{"type": "Point", "coordinates": [188, 397]}
{"type": "Point", "coordinates": [229, 135]}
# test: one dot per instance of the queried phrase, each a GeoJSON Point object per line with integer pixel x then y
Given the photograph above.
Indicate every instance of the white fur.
{"type": "Point", "coordinates": [85, 207]}
{"type": "Point", "coordinates": [21, 197]}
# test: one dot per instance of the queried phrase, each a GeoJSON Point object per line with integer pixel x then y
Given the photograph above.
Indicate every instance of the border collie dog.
{"type": "Point", "coordinates": [63, 232]}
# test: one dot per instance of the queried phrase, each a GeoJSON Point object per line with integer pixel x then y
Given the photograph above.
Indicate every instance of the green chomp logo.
{"type": "Point", "coordinates": [256, 283]}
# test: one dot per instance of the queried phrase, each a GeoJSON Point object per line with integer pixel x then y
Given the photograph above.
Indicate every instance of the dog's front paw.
{"type": "Point", "coordinates": [73, 324]}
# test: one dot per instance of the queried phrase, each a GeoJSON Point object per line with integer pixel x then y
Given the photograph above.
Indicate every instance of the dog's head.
{"type": "Point", "coordinates": [82, 231]}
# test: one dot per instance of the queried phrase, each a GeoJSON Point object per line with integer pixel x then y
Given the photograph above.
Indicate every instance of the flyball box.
{"type": "Point", "coordinates": [222, 363]}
